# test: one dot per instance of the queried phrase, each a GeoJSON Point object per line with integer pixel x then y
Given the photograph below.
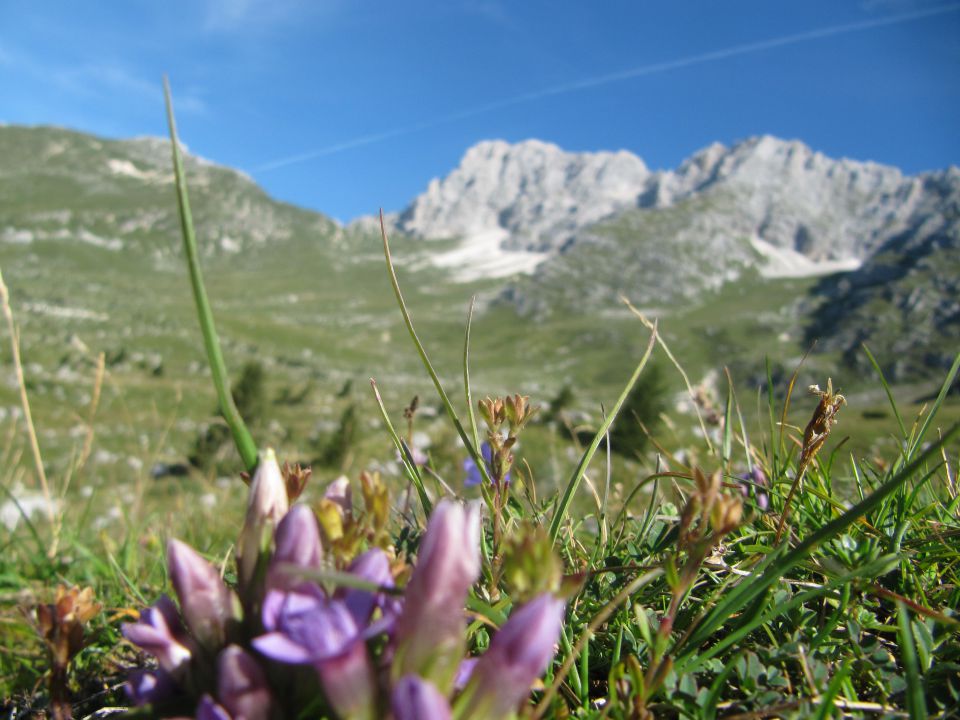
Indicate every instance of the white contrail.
{"type": "Point", "coordinates": [643, 70]}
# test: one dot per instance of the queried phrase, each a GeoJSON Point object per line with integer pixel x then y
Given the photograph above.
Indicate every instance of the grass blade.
{"type": "Point", "coordinates": [717, 686]}
{"type": "Point", "coordinates": [650, 325]}
{"type": "Point", "coordinates": [916, 702]}
{"type": "Point", "coordinates": [887, 390]}
{"type": "Point", "coordinates": [871, 570]}
{"type": "Point", "coordinates": [448, 406]}
{"type": "Point", "coordinates": [941, 396]}
{"type": "Point", "coordinates": [466, 380]}
{"type": "Point", "coordinates": [833, 689]}
{"type": "Point", "coordinates": [25, 401]}
{"type": "Point", "coordinates": [221, 380]}
{"type": "Point", "coordinates": [777, 563]}
{"type": "Point", "coordinates": [574, 482]}
{"type": "Point", "coordinates": [727, 422]}
{"type": "Point", "coordinates": [406, 458]}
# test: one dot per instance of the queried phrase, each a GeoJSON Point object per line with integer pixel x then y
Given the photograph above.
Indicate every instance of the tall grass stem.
{"type": "Point", "coordinates": [218, 370]}
{"type": "Point", "coordinates": [25, 401]}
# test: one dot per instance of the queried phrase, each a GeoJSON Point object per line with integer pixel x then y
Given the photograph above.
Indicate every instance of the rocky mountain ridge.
{"type": "Point", "coordinates": [568, 232]}
{"type": "Point", "coordinates": [804, 213]}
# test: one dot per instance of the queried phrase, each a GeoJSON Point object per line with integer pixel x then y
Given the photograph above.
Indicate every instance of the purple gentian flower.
{"type": "Point", "coordinates": [242, 686]}
{"type": "Point", "coordinates": [518, 654]}
{"type": "Point", "coordinates": [754, 483]}
{"type": "Point", "coordinates": [305, 626]}
{"type": "Point", "coordinates": [414, 698]}
{"type": "Point", "coordinates": [206, 603]}
{"type": "Point", "coordinates": [297, 543]}
{"type": "Point", "coordinates": [160, 633]}
{"type": "Point", "coordinates": [474, 476]}
{"type": "Point", "coordinates": [374, 566]}
{"type": "Point", "coordinates": [309, 628]}
{"type": "Point", "coordinates": [146, 687]}
{"type": "Point", "coordinates": [208, 709]}
{"type": "Point", "coordinates": [341, 493]}
{"type": "Point", "coordinates": [430, 630]}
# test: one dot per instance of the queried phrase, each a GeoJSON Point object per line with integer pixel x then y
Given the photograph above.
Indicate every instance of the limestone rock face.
{"type": "Point", "coordinates": [536, 192]}
{"type": "Point", "coordinates": [804, 213]}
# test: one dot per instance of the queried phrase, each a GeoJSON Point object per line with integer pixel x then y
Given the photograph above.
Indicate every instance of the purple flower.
{"type": "Point", "coordinates": [518, 654]}
{"type": "Point", "coordinates": [464, 672]}
{"type": "Point", "coordinates": [414, 698]}
{"type": "Point", "coordinates": [209, 710]}
{"type": "Point", "coordinates": [297, 543]}
{"type": "Point", "coordinates": [305, 627]}
{"type": "Point", "coordinates": [146, 687]}
{"type": "Point", "coordinates": [206, 603]}
{"type": "Point", "coordinates": [160, 633]}
{"type": "Point", "coordinates": [374, 566]}
{"type": "Point", "coordinates": [340, 492]}
{"type": "Point", "coordinates": [266, 506]}
{"type": "Point", "coordinates": [242, 686]}
{"type": "Point", "coordinates": [430, 630]}
{"type": "Point", "coordinates": [350, 684]}
{"type": "Point", "coordinates": [754, 483]}
{"type": "Point", "coordinates": [474, 476]}
{"type": "Point", "coordinates": [308, 628]}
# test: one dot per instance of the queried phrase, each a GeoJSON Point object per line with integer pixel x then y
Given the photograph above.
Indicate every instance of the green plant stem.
{"type": "Point", "coordinates": [448, 406]}
{"type": "Point", "coordinates": [221, 380]}
{"type": "Point", "coordinates": [405, 456]}
{"type": "Point", "coordinates": [25, 404]}
{"type": "Point", "coordinates": [564, 505]}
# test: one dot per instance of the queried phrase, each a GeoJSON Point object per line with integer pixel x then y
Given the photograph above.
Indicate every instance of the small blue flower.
{"type": "Point", "coordinates": [474, 477]}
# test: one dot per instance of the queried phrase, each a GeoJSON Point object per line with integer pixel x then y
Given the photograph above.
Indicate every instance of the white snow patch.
{"type": "Point", "coordinates": [481, 256]}
{"type": "Point", "coordinates": [785, 262]}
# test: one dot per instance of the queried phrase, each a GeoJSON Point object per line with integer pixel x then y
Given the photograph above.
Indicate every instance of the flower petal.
{"type": "Point", "coordinates": [414, 698]}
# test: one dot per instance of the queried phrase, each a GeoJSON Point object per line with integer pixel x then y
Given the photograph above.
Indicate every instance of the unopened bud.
{"type": "Point", "coordinates": [266, 507]}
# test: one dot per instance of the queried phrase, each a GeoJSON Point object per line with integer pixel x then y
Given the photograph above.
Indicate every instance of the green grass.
{"type": "Point", "coordinates": [802, 629]}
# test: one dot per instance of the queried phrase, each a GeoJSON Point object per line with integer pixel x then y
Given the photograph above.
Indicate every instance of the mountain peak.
{"type": "Point", "coordinates": [532, 191]}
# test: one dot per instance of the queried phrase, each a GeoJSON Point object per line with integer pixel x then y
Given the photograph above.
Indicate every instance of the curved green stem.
{"type": "Point", "coordinates": [221, 381]}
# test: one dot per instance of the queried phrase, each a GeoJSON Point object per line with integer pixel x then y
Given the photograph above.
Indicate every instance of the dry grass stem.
{"type": "Point", "coordinates": [24, 400]}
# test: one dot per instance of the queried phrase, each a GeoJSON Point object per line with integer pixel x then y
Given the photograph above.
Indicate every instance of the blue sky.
{"type": "Point", "coordinates": [345, 107]}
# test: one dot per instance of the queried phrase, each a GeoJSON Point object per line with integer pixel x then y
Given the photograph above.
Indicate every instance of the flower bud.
{"type": "Point", "coordinates": [242, 686]}
{"type": "Point", "coordinates": [518, 654]}
{"type": "Point", "coordinates": [297, 542]}
{"type": "Point", "coordinates": [205, 602]}
{"type": "Point", "coordinates": [430, 630]}
{"type": "Point", "coordinates": [414, 698]}
{"type": "Point", "coordinates": [341, 493]}
{"type": "Point", "coordinates": [266, 506]}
